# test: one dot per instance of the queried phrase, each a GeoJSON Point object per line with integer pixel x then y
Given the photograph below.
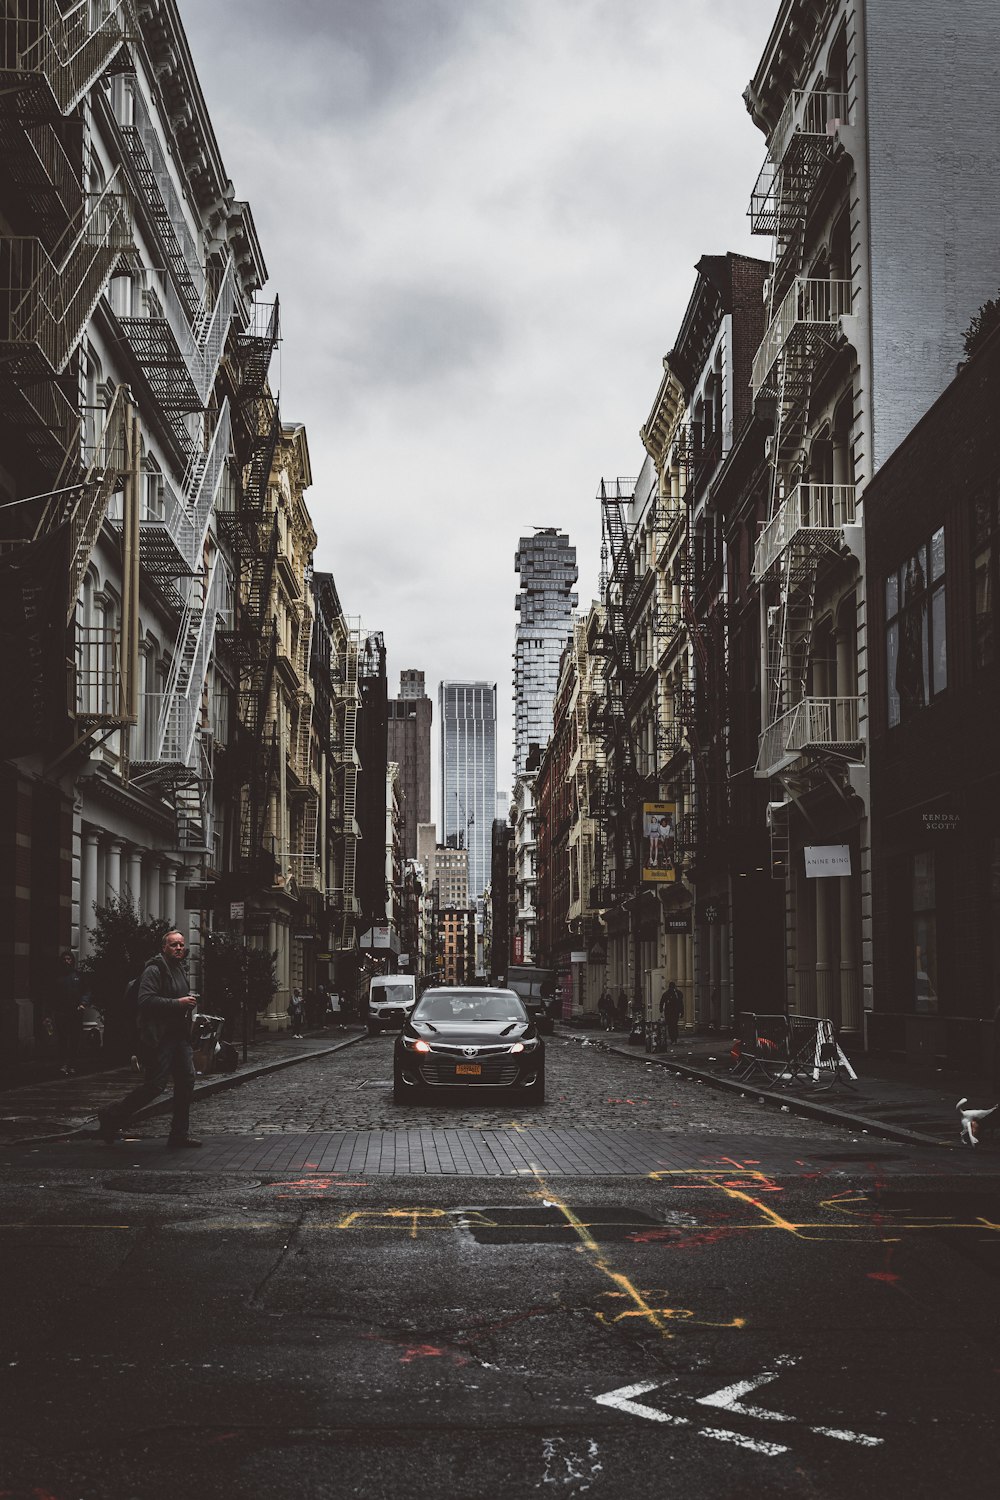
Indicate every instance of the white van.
{"type": "Point", "coordinates": [391, 997]}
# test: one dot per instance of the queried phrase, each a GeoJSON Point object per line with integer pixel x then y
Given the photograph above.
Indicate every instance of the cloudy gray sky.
{"type": "Point", "coordinates": [482, 219]}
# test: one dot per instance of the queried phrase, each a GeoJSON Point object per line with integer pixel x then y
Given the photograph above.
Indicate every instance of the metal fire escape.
{"type": "Point", "coordinates": [585, 764]}
{"type": "Point", "coordinates": [251, 532]}
{"type": "Point", "coordinates": [805, 520]}
{"type": "Point", "coordinates": [617, 584]}
{"type": "Point", "coordinates": [303, 855]}
{"type": "Point", "coordinates": [50, 280]}
{"type": "Point", "coordinates": [344, 725]}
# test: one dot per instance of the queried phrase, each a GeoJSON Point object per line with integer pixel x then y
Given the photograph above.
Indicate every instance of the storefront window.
{"type": "Point", "coordinates": [916, 636]}
{"type": "Point", "coordinates": [924, 935]}
{"type": "Point", "coordinates": [986, 561]}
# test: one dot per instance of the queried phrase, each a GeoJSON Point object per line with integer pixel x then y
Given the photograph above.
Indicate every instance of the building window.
{"type": "Point", "coordinates": [924, 936]}
{"type": "Point", "coordinates": [916, 637]}
{"type": "Point", "coordinates": [987, 561]}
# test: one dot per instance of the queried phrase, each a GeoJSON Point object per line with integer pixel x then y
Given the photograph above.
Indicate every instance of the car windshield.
{"type": "Point", "coordinates": [496, 1006]}
{"type": "Point", "coordinates": [399, 994]}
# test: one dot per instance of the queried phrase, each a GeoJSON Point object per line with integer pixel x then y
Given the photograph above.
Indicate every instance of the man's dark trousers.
{"type": "Point", "coordinates": [170, 1059]}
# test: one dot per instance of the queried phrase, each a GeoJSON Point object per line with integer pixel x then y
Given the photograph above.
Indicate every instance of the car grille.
{"type": "Point", "coordinates": [499, 1072]}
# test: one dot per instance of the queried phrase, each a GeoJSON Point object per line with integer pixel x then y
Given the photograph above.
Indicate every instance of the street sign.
{"type": "Point", "coordinates": [199, 897]}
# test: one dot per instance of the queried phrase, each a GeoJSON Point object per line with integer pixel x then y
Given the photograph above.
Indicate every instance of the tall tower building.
{"type": "Point", "coordinates": [409, 727]}
{"type": "Point", "coordinates": [468, 716]}
{"type": "Point", "coordinates": [547, 566]}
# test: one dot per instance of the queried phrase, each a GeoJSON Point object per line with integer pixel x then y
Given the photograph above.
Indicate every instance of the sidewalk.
{"type": "Point", "coordinates": [889, 1098]}
{"type": "Point", "coordinates": [39, 1109]}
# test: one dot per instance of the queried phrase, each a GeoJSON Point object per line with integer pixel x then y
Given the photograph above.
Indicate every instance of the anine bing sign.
{"type": "Point", "coordinates": [827, 859]}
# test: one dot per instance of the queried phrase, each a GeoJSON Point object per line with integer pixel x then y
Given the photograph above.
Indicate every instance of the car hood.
{"type": "Point", "coordinates": [471, 1033]}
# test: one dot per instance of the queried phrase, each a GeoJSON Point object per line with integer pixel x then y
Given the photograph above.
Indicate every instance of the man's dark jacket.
{"type": "Point", "coordinates": [160, 1017]}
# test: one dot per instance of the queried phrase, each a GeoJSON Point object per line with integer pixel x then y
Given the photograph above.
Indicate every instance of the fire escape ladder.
{"type": "Point", "coordinates": [86, 506]}
{"type": "Point", "coordinates": [47, 299]}
{"type": "Point", "coordinates": [253, 349]}
{"type": "Point", "coordinates": [181, 764]}
{"type": "Point", "coordinates": [790, 649]}
{"type": "Point", "coordinates": [180, 353]}
{"type": "Point", "coordinates": [778, 827]}
{"type": "Point", "coordinates": [52, 55]}
{"type": "Point", "coordinates": [189, 668]}
{"type": "Point", "coordinates": [255, 689]}
{"type": "Point", "coordinates": [156, 190]}
{"type": "Point", "coordinates": [39, 167]}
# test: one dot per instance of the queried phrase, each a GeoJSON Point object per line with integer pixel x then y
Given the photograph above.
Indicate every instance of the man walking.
{"type": "Point", "coordinates": [671, 1009]}
{"type": "Point", "coordinates": [165, 1010]}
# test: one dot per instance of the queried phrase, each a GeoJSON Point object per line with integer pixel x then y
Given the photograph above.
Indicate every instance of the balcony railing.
{"type": "Point", "coordinates": [811, 512]}
{"type": "Point", "coordinates": [69, 47]}
{"type": "Point", "coordinates": [45, 300]}
{"type": "Point", "coordinates": [830, 724]}
{"type": "Point", "coordinates": [810, 303]}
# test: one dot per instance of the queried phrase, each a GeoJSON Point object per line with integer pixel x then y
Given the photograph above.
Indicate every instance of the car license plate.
{"type": "Point", "coordinates": [468, 1068]}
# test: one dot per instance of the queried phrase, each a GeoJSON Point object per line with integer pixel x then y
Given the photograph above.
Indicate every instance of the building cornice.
{"type": "Point", "coordinates": [656, 433]}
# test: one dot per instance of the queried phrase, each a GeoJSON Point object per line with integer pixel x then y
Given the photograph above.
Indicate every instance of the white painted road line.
{"type": "Point", "coordinates": [730, 1399]}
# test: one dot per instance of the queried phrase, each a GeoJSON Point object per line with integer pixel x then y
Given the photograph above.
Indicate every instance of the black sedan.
{"type": "Point", "coordinates": [476, 1039]}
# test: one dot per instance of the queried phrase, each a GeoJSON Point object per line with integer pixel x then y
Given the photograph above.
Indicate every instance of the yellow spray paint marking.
{"type": "Point", "coordinates": [671, 1314]}
{"type": "Point", "coordinates": [390, 1218]}
{"type": "Point", "coordinates": [659, 1318]}
{"type": "Point", "coordinates": [733, 1183]}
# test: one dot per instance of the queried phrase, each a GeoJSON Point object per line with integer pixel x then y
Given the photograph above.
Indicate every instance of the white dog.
{"type": "Point", "coordinates": [974, 1122]}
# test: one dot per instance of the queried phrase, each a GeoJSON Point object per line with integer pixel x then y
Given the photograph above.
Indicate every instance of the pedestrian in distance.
{"type": "Point", "coordinates": [621, 1011]}
{"type": "Point", "coordinates": [335, 1010]}
{"type": "Point", "coordinates": [606, 1010]}
{"type": "Point", "coordinates": [68, 1003]}
{"type": "Point", "coordinates": [671, 1009]}
{"type": "Point", "coordinates": [165, 1010]}
{"type": "Point", "coordinates": [296, 1012]}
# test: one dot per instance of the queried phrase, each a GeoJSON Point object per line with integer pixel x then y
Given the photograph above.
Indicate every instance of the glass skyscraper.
{"type": "Point", "coordinates": [547, 566]}
{"type": "Point", "coordinates": [468, 719]}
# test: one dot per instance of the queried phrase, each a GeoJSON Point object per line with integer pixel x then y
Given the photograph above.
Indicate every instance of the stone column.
{"type": "Point", "coordinates": [151, 885]}
{"type": "Point", "coordinates": [823, 974]}
{"type": "Point", "coordinates": [133, 877]}
{"type": "Point", "coordinates": [850, 979]}
{"type": "Point", "coordinates": [168, 892]}
{"type": "Point", "coordinates": [113, 869]}
{"type": "Point", "coordinates": [88, 888]}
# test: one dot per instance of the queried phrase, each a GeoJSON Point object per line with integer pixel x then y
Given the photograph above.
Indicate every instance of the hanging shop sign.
{"type": "Point", "coordinates": [827, 859]}
{"type": "Point", "coordinates": [659, 821]}
{"type": "Point", "coordinates": [677, 921]}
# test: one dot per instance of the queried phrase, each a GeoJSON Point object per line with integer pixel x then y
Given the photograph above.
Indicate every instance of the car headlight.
{"type": "Point", "coordinates": [528, 1046]}
{"type": "Point", "coordinates": [416, 1045]}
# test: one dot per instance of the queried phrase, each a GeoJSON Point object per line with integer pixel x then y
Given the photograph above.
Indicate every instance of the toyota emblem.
{"type": "Point", "coordinates": [470, 1051]}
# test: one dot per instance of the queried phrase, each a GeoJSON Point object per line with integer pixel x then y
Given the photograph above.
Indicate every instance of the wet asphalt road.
{"type": "Point", "coordinates": [716, 1330]}
{"type": "Point", "coordinates": [584, 1086]}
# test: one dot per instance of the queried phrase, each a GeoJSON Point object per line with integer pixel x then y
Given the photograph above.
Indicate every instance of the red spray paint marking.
{"type": "Point", "coordinates": [888, 1276]}
{"type": "Point", "coordinates": [431, 1351]}
{"type": "Point", "coordinates": [315, 1185]}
